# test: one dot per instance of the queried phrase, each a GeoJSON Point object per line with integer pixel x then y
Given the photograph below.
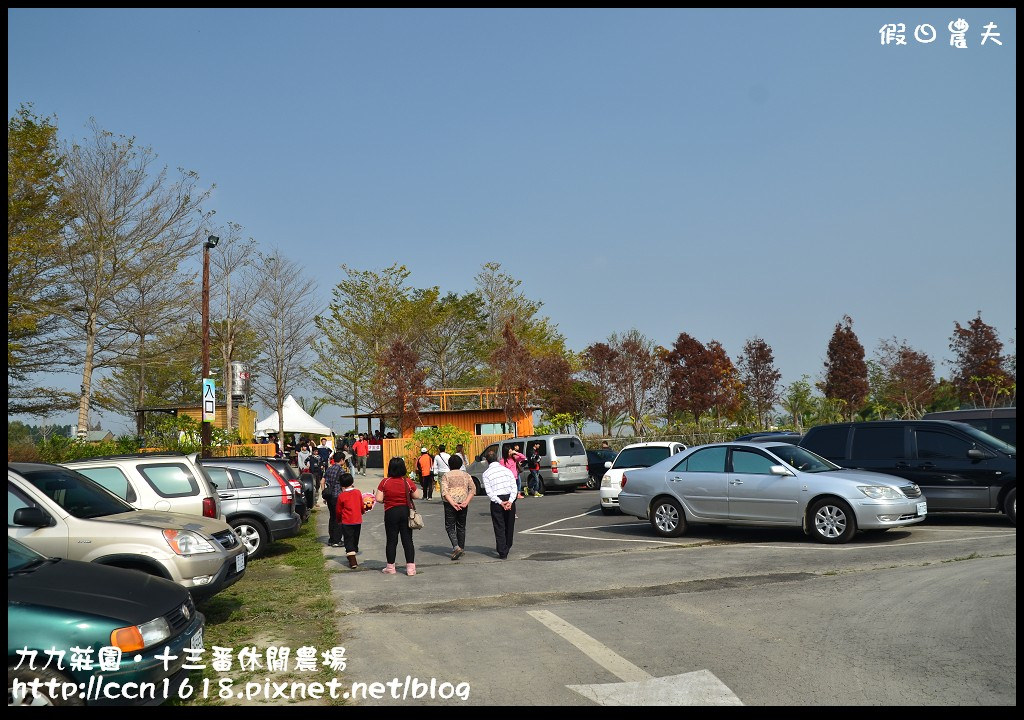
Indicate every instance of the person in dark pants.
{"type": "Point", "coordinates": [500, 484]}
{"type": "Point", "coordinates": [332, 487]}
{"type": "Point", "coordinates": [457, 490]}
{"type": "Point", "coordinates": [394, 491]}
{"type": "Point", "coordinates": [350, 509]}
{"type": "Point", "coordinates": [425, 466]}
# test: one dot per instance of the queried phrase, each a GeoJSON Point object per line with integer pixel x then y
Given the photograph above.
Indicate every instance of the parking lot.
{"type": "Point", "coordinates": [596, 609]}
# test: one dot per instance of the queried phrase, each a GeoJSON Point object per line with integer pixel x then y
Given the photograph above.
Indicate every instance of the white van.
{"type": "Point", "coordinates": [563, 460]}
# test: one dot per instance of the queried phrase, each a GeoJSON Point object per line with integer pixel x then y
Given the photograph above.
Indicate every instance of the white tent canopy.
{"type": "Point", "coordinates": [296, 420]}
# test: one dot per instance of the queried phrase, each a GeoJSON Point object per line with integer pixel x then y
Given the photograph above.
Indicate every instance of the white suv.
{"type": "Point", "coordinates": [637, 455]}
{"type": "Point", "coordinates": [168, 481]}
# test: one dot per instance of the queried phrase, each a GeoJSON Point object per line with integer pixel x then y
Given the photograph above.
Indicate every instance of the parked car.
{"type": "Point", "coordinates": [563, 461]}
{"type": "Point", "coordinates": [54, 605]}
{"type": "Point", "coordinates": [959, 467]}
{"type": "Point", "coordinates": [1000, 422]}
{"type": "Point", "coordinates": [637, 455]}
{"type": "Point", "coordinates": [59, 512]}
{"type": "Point", "coordinates": [596, 467]}
{"type": "Point", "coordinates": [790, 436]}
{"type": "Point", "coordinates": [302, 482]}
{"type": "Point", "coordinates": [257, 501]}
{"type": "Point", "coordinates": [768, 485]}
{"type": "Point", "coordinates": [170, 481]}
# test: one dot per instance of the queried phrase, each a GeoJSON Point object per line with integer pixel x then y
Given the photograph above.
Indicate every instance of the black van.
{"type": "Point", "coordinates": [958, 467]}
{"type": "Point", "coordinates": [1001, 422]}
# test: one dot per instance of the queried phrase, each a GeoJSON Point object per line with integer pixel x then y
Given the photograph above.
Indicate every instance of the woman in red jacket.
{"type": "Point", "coordinates": [394, 492]}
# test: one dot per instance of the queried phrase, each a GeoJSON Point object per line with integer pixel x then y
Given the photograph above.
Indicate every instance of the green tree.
{"type": "Point", "coordinates": [36, 218]}
{"type": "Point", "coordinates": [797, 399]}
{"type": "Point", "coordinates": [451, 347]}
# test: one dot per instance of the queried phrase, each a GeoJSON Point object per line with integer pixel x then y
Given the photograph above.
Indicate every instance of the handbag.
{"type": "Point", "coordinates": [415, 519]}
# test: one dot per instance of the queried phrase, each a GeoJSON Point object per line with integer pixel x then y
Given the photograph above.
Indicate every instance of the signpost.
{"type": "Point", "coordinates": [209, 399]}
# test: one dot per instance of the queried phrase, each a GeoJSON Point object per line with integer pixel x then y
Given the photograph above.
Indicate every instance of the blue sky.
{"type": "Point", "coordinates": [727, 173]}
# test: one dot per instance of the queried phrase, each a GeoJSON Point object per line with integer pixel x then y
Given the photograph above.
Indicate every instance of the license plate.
{"type": "Point", "coordinates": [922, 509]}
{"type": "Point", "coordinates": [240, 560]}
{"type": "Point", "coordinates": [197, 640]}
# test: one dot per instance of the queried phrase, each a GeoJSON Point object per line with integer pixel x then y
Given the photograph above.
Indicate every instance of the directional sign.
{"type": "Point", "coordinates": [209, 399]}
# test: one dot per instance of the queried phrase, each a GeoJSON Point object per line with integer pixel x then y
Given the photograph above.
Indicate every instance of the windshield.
{"type": "Point", "coordinates": [76, 493]}
{"type": "Point", "coordinates": [20, 556]}
{"type": "Point", "coordinates": [802, 459]}
{"type": "Point", "coordinates": [639, 457]}
{"type": "Point", "coordinates": [989, 440]}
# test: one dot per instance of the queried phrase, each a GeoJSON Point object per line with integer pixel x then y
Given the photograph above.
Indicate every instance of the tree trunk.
{"type": "Point", "coordinates": [83, 400]}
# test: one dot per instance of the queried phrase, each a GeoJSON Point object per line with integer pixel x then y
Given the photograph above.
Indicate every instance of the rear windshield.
{"type": "Point", "coordinates": [569, 446]}
{"type": "Point", "coordinates": [640, 457]}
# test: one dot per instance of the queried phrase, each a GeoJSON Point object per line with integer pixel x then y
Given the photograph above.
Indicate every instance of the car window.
{"type": "Point", "coordinates": [707, 460]}
{"type": "Point", "coordinates": [877, 443]}
{"type": "Point", "coordinates": [245, 479]}
{"type": "Point", "coordinates": [829, 441]}
{"type": "Point", "coordinates": [15, 501]}
{"type": "Point", "coordinates": [113, 479]}
{"type": "Point", "coordinates": [639, 457]}
{"type": "Point", "coordinates": [218, 476]}
{"type": "Point", "coordinates": [802, 459]}
{"type": "Point", "coordinates": [941, 446]}
{"type": "Point", "coordinates": [170, 480]}
{"type": "Point", "coordinates": [567, 446]}
{"type": "Point", "coordinates": [488, 449]}
{"type": "Point", "coordinates": [750, 462]}
{"type": "Point", "coordinates": [76, 493]}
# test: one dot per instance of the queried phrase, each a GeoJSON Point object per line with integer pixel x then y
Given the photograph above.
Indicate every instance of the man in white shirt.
{"type": "Point", "coordinates": [440, 466]}
{"type": "Point", "coordinates": [501, 487]}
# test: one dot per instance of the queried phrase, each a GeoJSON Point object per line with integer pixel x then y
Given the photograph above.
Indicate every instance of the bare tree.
{"type": "Point", "coordinates": [236, 284]}
{"type": "Point", "coordinates": [637, 382]}
{"type": "Point", "coordinates": [514, 367]}
{"type": "Point", "coordinates": [402, 382]}
{"type": "Point", "coordinates": [285, 330]}
{"type": "Point", "coordinates": [599, 367]}
{"type": "Point", "coordinates": [129, 221]}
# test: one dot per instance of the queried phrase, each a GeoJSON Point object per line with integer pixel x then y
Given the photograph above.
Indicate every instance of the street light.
{"type": "Point", "coordinates": [211, 242]}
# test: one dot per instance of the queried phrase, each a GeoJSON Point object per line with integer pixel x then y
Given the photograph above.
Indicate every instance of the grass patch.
{"type": "Point", "coordinates": [283, 600]}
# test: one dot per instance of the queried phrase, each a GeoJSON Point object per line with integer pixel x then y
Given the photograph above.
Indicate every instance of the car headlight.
{"type": "Point", "coordinates": [606, 481]}
{"type": "Point", "coordinates": [880, 492]}
{"type": "Point", "coordinates": [137, 637]}
{"type": "Point", "coordinates": [185, 542]}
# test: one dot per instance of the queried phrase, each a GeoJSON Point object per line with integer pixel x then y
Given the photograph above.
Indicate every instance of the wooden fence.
{"type": "Point", "coordinates": [257, 449]}
{"type": "Point", "coordinates": [409, 448]}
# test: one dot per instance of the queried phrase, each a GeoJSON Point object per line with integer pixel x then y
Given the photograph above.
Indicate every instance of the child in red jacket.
{"type": "Point", "coordinates": [350, 509]}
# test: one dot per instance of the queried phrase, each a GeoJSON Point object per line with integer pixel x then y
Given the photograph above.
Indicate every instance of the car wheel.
{"type": "Point", "coordinates": [832, 521]}
{"type": "Point", "coordinates": [668, 518]}
{"type": "Point", "coordinates": [592, 483]}
{"type": "Point", "coordinates": [253, 536]}
{"type": "Point", "coordinates": [1010, 505]}
{"type": "Point", "coordinates": [43, 675]}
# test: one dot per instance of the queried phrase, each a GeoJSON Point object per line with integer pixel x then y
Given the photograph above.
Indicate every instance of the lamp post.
{"type": "Point", "coordinates": [211, 242]}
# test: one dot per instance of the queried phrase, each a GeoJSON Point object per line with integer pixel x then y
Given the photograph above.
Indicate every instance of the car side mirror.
{"type": "Point", "coordinates": [780, 470]}
{"type": "Point", "coordinates": [977, 454]}
{"type": "Point", "coordinates": [607, 464]}
{"type": "Point", "coordinates": [31, 517]}
{"type": "Point", "coordinates": [479, 458]}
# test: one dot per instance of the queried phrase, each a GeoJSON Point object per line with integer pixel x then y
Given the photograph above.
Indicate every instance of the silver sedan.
{"type": "Point", "coordinates": [771, 484]}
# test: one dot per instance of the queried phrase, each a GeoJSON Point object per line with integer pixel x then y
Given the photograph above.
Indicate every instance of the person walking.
{"type": "Point", "coordinates": [303, 458]}
{"type": "Point", "coordinates": [316, 469]}
{"type": "Point", "coordinates": [536, 483]}
{"type": "Point", "coordinates": [394, 492]}
{"type": "Point", "coordinates": [349, 511]}
{"type": "Point", "coordinates": [332, 488]}
{"type": "Point", "coordinates": [361, 448]}
{"type": "Point", "coordinates": [425, 466]}
{"type": "Point", "coordinates": [457, 489]}
{"type": "Point", "coordinates": [500, 486]}
{"type": "Point", "coordinates": [510, 458]}
{"type": "Point", "coordinates": [440, 465]}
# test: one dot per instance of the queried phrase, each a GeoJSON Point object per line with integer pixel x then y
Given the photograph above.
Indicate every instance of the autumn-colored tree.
{"type": "Point", "coordinates": [692, 381]}
{"type": "Point", "coordinates": [515, 370]}
{"type": "Point", "coordinates": [979, 367]}
{"type": "Point", "coordinates": [905, 380]}
{"type": "Point", "coordinates": [636, 384]}
{"type": "Point", "coordinates": [600, 362]}
{"type": "Point", "coordinates": [846, 372]}
{"type": "Point", "coordinates": [760, 378]}
{"type": "Point", "coordinates": [727, 396]}
{"type": "Point", "coordinates": [402, 382]}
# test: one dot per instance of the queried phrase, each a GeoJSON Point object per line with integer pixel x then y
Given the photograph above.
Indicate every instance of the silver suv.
{"type": "Point", "coordinates": [61, 513]}
{"type": "Point", "coordinates": [155, 481]}
{"type": "Point", "coordinates": [256, 500]}
{"type": "Point", "coordinates": [563, 460]}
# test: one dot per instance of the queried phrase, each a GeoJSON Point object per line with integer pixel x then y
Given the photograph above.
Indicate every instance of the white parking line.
{"type": "Point", "coordinates": [598, 652]}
